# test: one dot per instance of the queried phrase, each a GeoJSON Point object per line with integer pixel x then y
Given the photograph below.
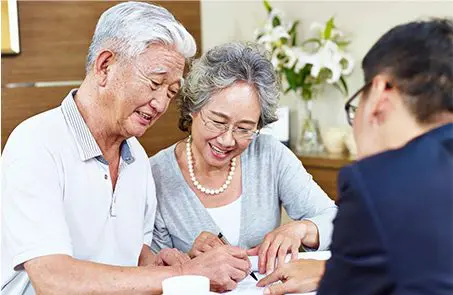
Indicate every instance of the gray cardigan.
{"type": "Point", "coordinates": [271, 176]}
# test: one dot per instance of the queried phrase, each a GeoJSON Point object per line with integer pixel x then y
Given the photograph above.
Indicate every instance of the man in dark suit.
{"type": "Point", "coordinates": [394, 230]}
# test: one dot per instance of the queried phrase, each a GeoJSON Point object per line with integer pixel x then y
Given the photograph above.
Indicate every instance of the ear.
{"type": "Point", "coordinates": [102, 66]}
{"type": "Point", "coordinates": [380, 100]}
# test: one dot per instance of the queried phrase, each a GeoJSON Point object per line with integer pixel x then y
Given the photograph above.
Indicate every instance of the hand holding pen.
{"type": "Point", "coordinates": [224, 265]}
{"type": "Point", "coordinates": [225, 242]}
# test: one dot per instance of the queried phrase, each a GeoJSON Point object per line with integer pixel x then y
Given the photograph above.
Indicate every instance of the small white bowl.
{"type": "Point", "coordinates": [333, 140]}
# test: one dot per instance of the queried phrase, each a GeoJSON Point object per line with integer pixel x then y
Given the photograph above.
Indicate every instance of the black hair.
{"type": "Point", "coordinates": [418, 56]}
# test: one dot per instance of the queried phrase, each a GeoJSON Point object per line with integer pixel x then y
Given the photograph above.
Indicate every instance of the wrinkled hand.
{"type": "Point", "coordinates": [299, 276]}
{"type": "Point", "coordinates": [170, 257]}
{"type": "Point", "coordinates": [225, 266]}
{"type": "Point", "coordinates": [205, 242]}
{"type": "Point", "coordinates": [277, 243]}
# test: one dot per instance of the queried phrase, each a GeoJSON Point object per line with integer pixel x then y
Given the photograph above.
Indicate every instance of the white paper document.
{"type": "Point", "coordinates": [320, 255]}
{"type": "Point", "coordinates": [248, 285]}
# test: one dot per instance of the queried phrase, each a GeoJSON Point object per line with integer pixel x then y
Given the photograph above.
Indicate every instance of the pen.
{"type": "Point", "coordinates": [225, 241]}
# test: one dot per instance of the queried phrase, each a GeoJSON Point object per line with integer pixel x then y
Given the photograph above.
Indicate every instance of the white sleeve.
{"type": "Point", "coordinates": [150, 210]}
{"type": "Point", "coordinates": [33, 219]}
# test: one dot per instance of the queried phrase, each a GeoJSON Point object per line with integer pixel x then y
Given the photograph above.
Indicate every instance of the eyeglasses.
{"type": "Point", "coordinates": [220, 128]}
{"type": "Point", "coordinates": [351, 109]}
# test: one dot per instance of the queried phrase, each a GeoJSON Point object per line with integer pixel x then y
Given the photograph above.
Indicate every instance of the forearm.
{"type": "Point", "coordinates": [71, 276]}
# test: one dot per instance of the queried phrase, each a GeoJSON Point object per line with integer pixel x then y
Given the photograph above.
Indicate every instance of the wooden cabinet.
{"type": "Point", "coordinates": [324, 168]}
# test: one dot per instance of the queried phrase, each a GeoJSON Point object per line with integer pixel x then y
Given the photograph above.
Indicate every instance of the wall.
{"type": "Point", "coordinates": [54, 41]}
{"type": "Point", "coordinates": [364, 21]}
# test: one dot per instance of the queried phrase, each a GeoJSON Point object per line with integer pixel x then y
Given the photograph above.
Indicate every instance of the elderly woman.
{"type": "Point", "coordinates": [225, 177]}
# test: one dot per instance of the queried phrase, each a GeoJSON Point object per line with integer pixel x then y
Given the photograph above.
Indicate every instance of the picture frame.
{"type": "Point", "coordinates": [10, 27]}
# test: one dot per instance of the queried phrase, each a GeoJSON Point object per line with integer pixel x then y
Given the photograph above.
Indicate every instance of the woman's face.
{"type": "Point", "coordinates": [234, 108]}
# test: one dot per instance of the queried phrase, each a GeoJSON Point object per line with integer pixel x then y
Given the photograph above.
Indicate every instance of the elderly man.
{"type": "Point", "coordinates": [78, 194]}
{"type": "Point", "coordinates": [393, 231]}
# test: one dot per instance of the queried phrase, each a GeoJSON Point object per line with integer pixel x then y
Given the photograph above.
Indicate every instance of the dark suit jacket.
{"type": "Point", "coordinates": [393, 233]}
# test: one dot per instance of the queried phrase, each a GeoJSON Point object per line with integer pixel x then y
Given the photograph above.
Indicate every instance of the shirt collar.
{"type": "Point", "coordinates": [88, 148]}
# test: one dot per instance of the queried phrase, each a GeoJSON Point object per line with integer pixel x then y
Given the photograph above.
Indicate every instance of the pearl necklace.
{"type": "Point", "coordinates": [196, 183]}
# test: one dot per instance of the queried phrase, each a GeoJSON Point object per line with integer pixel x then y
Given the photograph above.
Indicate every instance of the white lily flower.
{"type": "Point", "coordinates": [303, 58]}
{"type": "Point", "coordinates": [291, 56]}
{"type": "Point", "coordinates": [275, 13]}
{"type": "Point", "coordinates": [275, 60]}
{"type": "Point", "coordinates": [336, 33]}
{"type": "Point", "coordinates": [327, 57]}
{"type": "Point", "coordinates": [317, 27]}
{"type": "Point", "coordinates": [350, 64]}
{"type": "Point", "coordinates": [274, 35]}
{"type": "Point", "coordinates": [320, 28]}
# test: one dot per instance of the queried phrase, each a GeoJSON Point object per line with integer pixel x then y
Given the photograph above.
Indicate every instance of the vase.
{"type": "Point", "coordinates": [309, 140]}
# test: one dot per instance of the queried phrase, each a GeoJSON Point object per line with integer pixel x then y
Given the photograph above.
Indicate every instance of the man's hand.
{"type": "Point", "coordinates": [284, 239]}
{"type": "Point", "coordinates": [205, 242]}
{"type": "Point", "coordinates": [170, 257]}
{"type": "Point", "coordinates": [224, 265]}
{"type": "Point", "coordinates": [299, 276]}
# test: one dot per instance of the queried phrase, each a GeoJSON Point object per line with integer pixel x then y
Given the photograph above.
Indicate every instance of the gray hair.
{"type": "Point", "coordinates": [128, 28]}
{"type": "Point", "coordinates": [221, 67]}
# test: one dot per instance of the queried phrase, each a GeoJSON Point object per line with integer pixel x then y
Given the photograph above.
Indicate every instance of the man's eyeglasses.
{"type": "Point", "coordinates": [220, 128]}
{"type": "Point", "coordinates": [351, 109]}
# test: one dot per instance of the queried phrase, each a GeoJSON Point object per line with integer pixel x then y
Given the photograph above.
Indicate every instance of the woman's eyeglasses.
{"type": "Point", "coordinates": [220, 128]}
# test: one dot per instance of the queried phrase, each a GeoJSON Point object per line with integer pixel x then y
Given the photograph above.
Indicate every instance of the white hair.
{"type": "Point", "coordinates": [128, 28]}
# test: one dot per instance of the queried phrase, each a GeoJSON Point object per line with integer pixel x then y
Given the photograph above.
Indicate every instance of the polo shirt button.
{"type": "Point", "coordinates": [105, 176]}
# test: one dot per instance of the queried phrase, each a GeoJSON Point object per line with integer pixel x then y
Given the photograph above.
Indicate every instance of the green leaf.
{"type": "Point", "coordinates": [276, 22]}
{"type": "Point", "coordinates": [345, 85]}
{"type": "Point", "coordinates": [307, 94]}
{"type": "Point", "coordinates": [343, 43]}
{"type": "Point", "coordinates": [291, 78]}
{"type": "Point", "coordinates": [293, 33]}
{"type": "Point", "coordinates": [329, 26]}
{"type": "Point", "coordinates": [268, 6]}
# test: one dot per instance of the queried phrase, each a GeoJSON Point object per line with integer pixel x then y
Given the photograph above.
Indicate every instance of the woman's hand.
{"type": "Point", "coordinates": [170, 257]}
{"type": "Point", "coordinates": [299, 276]}
{"type": "Point", "coordinates": [286, 238]}
{"type": "Point", "coordinates": [205, 242]}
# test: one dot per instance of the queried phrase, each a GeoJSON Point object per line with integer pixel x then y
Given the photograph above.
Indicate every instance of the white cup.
{"type": "Point", "coordinates": [185, 285]}
{"type": "Point", "coordinates": [333, 140]}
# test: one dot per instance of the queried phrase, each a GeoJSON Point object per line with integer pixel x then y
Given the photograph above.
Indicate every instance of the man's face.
{"type": "Point", "coordinates": [139, 91]}
{"type": "Point", "coordinates": [372, 119]}
{"type": "Point", "coordinates": [360, 128]}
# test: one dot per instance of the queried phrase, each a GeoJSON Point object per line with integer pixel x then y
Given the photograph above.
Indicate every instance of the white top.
{"type": "Point", "coordinates": [272, 177]}
{"type": "Point", "coordinates": [58, 198]}
{"type": "Point", "coordinates": [228, 219]}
